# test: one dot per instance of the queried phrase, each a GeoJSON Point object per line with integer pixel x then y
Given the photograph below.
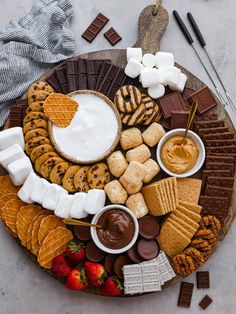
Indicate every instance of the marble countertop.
{"type": "Point", "coordinates": [24, 288]}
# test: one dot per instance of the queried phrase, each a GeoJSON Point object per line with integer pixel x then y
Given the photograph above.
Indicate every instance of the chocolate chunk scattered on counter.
{"type": "Point", "coordinates": [204, 98]}
{"type": "Point", "coordinates": [109, 263]}
{"type": "Point", "coordinates": [133, 255]}
{"type": "Point", "coordinates": [171, 102]}
{"type": "Point", "coordinates": [179, 119]}
{"type": "Point", "coordinates": [120, 262]}
{"type": "Point", "coordinates": [149, 227]}
{"type": "Point", "coordinates": [112, 36]}
{"type": "Point", "coordinates": [203, 279]}
{"type": "Point", "coordinates": [93, 253]}
{"type": "Point", "coordinates": [95, 27]}
{"type": "Point", "coordinates": [185, 294]}
{"type": "Point", "coordinates": [148, 249]}
{"type": "Point", "coordinates": [206, 301]}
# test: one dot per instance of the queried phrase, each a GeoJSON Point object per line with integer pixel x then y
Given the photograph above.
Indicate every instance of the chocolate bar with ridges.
{"type": "Point", "coordinates": [93, 68]}
{"type": "Point", "coordinates": [185, 294]}
{"type": "Point", "coordinates": [62, 78]}
{"type": "Point", "coordinates": [71, 72]}
{"type": "Point", "coordinates": [105, 68]}
{"type": "Point", "coordinates": [95, 27]}
{"type": "Point", "coordinates": [112, 36]}
{"type": "Point", "coordinates": [17, 113]}
{"type": "Point", "coordinates": [82, 82]}
{"type": "Point", "coordinates": [53, 81]}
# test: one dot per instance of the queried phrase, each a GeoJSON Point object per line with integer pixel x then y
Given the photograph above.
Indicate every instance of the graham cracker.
{"type": "Point", "coordinates": [189, 189]}
{"type": "Point", "coordinates": [168, 193]}
{"type": "Point", "coordinates": [186, 220]}
{"type": "Point", "coordinates": [190, 206]}
{"type": "Point", "coordinates": [171, 240]}
{"type": "Point", "coordinates": [163, 194]}
{"type": "Point", "coordinates": [153, 200]}
{"type": "Point", "coordinates": [180, 227]}
{"type": "Point", "coordinates": [188, 213]}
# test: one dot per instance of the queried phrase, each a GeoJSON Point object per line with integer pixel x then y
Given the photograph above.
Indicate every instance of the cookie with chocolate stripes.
{"type": "Point", "coordinates": [149, 104]}
{"type": "Point", "coordinates": [128, 99]}
{"type": "Point", "coordinates": [134, 118]}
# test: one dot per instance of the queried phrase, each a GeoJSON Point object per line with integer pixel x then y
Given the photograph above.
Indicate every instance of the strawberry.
{"type": "Point", "coordinates": [95, 273]}
{"type": "Point", "coordinates": [60, 266]}
{"type": "Point", "coordinates": [75, 253]}
{"type": "Point", "coordinates": [76, 280]}
{"type": "Point", "coordinates": [112, 286]}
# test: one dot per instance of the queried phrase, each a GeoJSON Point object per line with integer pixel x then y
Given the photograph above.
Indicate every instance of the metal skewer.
{"type": "Point", "coordinates": [203, 44]}
{"type": "Point", "coordinates": [191, 42]}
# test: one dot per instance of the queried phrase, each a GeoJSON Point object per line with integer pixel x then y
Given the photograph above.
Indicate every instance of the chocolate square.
{"type": "Point", "coordinates": [204, 98]}
{"type": "Point", "coordinates": [112, 36]}
{"type": "Point", "coordinates": [171, 102]}
{"type": "Point", "coordinates": [186, 94]}
{"type": "Point", "coordinates": [203, 279]}
{"type": "Point", "coordinates": [179, 119]}
{"type": "Point", "coordinates": [206, 301]}
{"type": "Point", "coordinates": [185, 294]}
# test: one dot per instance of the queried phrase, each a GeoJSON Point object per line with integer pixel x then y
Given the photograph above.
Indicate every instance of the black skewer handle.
{"type": "Point", "coordinates": [183, 27]}
{"type": "Point", "coordinates": [196, 30]}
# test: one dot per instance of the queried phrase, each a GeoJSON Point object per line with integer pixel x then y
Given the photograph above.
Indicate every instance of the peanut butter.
{"type": "Point", "coordinates": [179, 157]}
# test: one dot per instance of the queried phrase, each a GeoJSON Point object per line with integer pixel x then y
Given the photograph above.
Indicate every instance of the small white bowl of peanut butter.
{"type": "Point", "coordinates": [180, 158]}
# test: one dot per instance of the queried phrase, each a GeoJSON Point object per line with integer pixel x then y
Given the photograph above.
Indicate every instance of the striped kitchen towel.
{"type": "Point", "coordinates": [31, 46]}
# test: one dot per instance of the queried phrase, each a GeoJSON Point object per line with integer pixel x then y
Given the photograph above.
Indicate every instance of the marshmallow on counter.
{"type": "Point", "coordinates": [64, 205]}
{"type": "Point", "coordinates": [156, 91]}
{"type": "Point", "coordinates": [182, 82]}
{"type": "Point", "coordinates": [52, 196]}
{"type": "Point", "coordinates": [39, 191]}
{"type": "Point", "coordinates": [149, 60]}
{"type": "Point", "coordinates": [172, 76]}
{"type": "Point", "coordinates": [77, 209]}
{"type": "Point", "coordinates": [28, 187]}
{"type": "Point", "coordinates": [133, 68]}
{"type": "Point", "coordinates": [10, 137]}
{"type": "Point", "coordinates": [11, 154]}
{"type": "Point", "coordinates": [134, 53]}
{"type": "Point", "coordinates": [149, 77]}
{"type": "Point", "coordinates": [94, 201]}
{"type": "Point", "coordinates": [164, 59]}
{"type": "Point", "coordinates": [19, 170]}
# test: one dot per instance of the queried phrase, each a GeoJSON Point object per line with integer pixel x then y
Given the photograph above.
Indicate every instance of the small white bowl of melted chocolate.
{"type": "Point", "coordinates": [119, 229]}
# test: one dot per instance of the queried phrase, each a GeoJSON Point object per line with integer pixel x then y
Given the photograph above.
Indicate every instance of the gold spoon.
{"type": "Point", "coordinates": [190, 119]}
{"type": "Point", "coordinates": [74, 222]}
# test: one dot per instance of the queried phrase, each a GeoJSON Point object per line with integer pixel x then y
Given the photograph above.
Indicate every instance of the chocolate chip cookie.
{"type": "Point", "coordinates": [34, 116]}
{"type": "Point", "coordinates": [35, 133]}
{"type": "Point", "coordinates": [40, 150]}
{"type": "Point", "coordinates": [35, 124]}
{"type": "Point", "coordinates": [48, 165]}
{"type": "Point", "coordinates": [98, 176]}
{"type": "Point", "coordinates": [34, 142]}
{"type": "Point", "coordinates": [41, 159]}
{"type": "Point", "coordinates": [68, 179]}
{"type": "Point", "coordinates": [58, 172]}
{"type": "Point", "coordinates": [35, 106]}
{"type": "Point", "coordinates": [80, 179]}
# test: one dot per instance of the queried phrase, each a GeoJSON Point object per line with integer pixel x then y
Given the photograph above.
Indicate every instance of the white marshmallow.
{"type": "Point", "coordinates": [28, 187]}
{"type": "Point", "coordinates": [64, 206]}
{"type": "Point", "coordinates": [94, 201]}
{"type": "Point", "coordinates": [19, 170]}
{"type": "Point", "coordinates": [149, 60]}
{"type": "Point", "coordinates": [10, 137]}
{"type": "Point", "coordinates": [133, 68]}
{"type": "Point", "coordinates": [182, 82]}
{"type": "Point", "coordinates": [172, 76]}
{"type": "Point", "coordinates": [77, 209]}
{"type": "Point", "coordinates": [163, 72]}
{"type": "Point", "coordinates": [134, 53]}
{"type": "Point", "coordinates": [52, 196]}
{"type": "Point", "coordinates": [149, 77]}
{"type": "Point", "coordinates": [164, 59]}
{"type": "Point", "coordinates": [39, 191]}
{"type": "Point", "coordinates": [11, 154]}
{"type": "Point", "coordinates": [156, 91]}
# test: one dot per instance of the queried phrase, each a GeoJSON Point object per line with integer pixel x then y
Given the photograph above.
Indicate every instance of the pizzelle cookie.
{"type": "Point", "coordinates": [58, 172]}
{"type": "Point", "coordinates": [35, 124]}
{"type": "Point", "coordinates": [35, 106]}
{"type": "Point", "coordinates": [40, 150]}
{"type": "Point", "coordinates": [127, 99]}
{"type": "Point", "coordinates": [48, 165]}
{"type": "Point", "coordinates": [98, 176]}
{"type": "Point", "coordinates": [34, 116]}
{"type": "Point", "coordinates": [68, 179]}
{"type": "Point", "coordinates": [35, 133]}
{"type": "Point", "coordinates": [80, 179]}
{"type": "Point", "coordinates": [34, 142]}
{"type": "Point", "coordinates": [48, 224]}
{"type": "Point", "coordinates": [135, 118]}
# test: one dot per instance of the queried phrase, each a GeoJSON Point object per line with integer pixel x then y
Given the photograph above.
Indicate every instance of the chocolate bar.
{"type": "Point", "coordinates": [81, 78]}
{"type": "Point", "coordinates": [93, 68]}
{"type": "Point", "coordinates": [17, 113]}
{"type": "Point", "coordinates": [62, 78]}
{"type": "Point", "coordinates": [95, 27]}
{"type": "Point", "coordinates": [103, 72]}
{"type": "Point", "coordinates": [179, 119]}
{"type": "Point", "coordinates": [186, 93]}
{"type": "Point", "coordinates": [112, 36]}
{"type": "Point", "coordinates": [206, 301]}
{"type": "Point", "coordinates": [203, 279]}
{"type": "Point", "coordinates": [53, 81]}
{"type": "Point", "coordinates": [185, 294]}
{"type": "Point", "coordinates": [71, 72]}
{"type": "Point", "coordinates": [204, 98]}
{"type": "Point", "coordinates": [171, 102]}
{"type": "Point", "coordinates": [217, 143]}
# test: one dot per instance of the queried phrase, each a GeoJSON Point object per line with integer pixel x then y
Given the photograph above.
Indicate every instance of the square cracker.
{"type": "Point", "coordinates": [180, 226]}
{"type": "Point", "coordinates": [153, 200]}
{"type": "Point", "coordinates": [168, 193]}
{"type": "Point", "coordinates": [192, 207]}
{"type": "Point", "coordinates": [186, 220]}
{"type": "Point", "coordinates": [189, 189]}
{"type": "Point", "coordinates": [188, 213]}
{"type": "Point", "coordinates": [172, 241]}
{"type": "Point", "coordinates": [160, 187]}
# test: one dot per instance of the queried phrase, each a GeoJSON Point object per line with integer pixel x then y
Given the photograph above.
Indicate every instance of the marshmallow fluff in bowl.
{"type": "Point", "coordinates": [92, 133]}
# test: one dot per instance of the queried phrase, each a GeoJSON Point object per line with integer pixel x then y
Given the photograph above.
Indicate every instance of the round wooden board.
{"type": "Point", "coordinates": [151, 29]}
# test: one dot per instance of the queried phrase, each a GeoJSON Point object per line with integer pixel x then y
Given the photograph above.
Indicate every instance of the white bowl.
{"type": "Point", "coordinates": [197, 141]}
{"type": "Point", "coordinates": [94, 232]}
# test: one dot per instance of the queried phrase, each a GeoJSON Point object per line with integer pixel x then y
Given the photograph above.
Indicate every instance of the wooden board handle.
{"type": "Point", "coordinates": [151, 28]}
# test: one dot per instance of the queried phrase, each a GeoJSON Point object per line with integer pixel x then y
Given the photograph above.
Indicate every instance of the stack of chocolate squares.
{"type": "Point", "coordinates": [218, 173]}
{"type": "Point", "coordinates": [78, 74]}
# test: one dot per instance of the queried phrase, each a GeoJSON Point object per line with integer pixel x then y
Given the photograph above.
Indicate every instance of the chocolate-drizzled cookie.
{"type": "Point", "coordinates": [127, 99]}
